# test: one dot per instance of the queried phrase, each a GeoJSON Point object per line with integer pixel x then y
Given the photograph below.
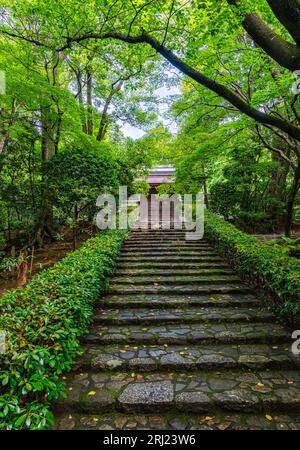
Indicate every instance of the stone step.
{"type": "Point", "coordinates": [210, 332]}
{"type": "Point", "coordinates": [158, 232]}
{"type": "Point", "coordinates": [177, 421]}
{"type": "Point", "coordinates": [169, 265]}
{"type": "Point", "coordinates": [264, 392]}
{"type": "Point", "coordinates": [166, 249]}
{"type": "Point", "coordinates": [174, 358]}
{"type": "Point", "coordinates": [165, 245]}
{"type": "Point", "coordinates": [162, 301]}
{"type": "Point", "coordinates": [180, 315]}
{"type": "Point", "coordinates": [172, 252]}
{"type": "Point", "coordinates": [172, 272]}
{"type": "Point", "coordinates": [152, 237]}
{"type": "Point", "coordinates": [165, 241]}
{"type": "Point", "coordinates": [175, 280]}
{"type": "Point", "coordinates": [183, 238]}
{"type": "Point", "coordinates": [168, 258]}
{"type": "Point", "coordinates": [180, 289]}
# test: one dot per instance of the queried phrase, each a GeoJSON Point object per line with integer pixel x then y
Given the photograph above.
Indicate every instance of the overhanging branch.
{"type": "Point", "coordinates": [283, 52]}
{"type": "Point", "coordinates": [219, 89]}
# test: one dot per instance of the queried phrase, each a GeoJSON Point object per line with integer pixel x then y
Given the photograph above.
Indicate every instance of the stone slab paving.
{"type": "Point", "coordinates": [181, 315]}
{"type": "Point", "coordinates": [127, 257]}
{"type": "Point", "coordinates": [180, 342]}
{"type": "Point", "coordinates": [131, 271]}
{"type": "Point", "coordinates": [171, 265]}
{"type": "Point", "coordinates": [175, 280]}
{"type": "Point", "coordinates": [143, 358]}
{"type": "Point", "coordinates": [156, 288]}
{"type": "Point", "coordinates": [168, 252]}
{"type": "Point", "coordinates": [189, 333]}
{"type": "Point", "coordinates": [178, 422]}
{"type": "Point", "coordinates": [159, 300]}
{"type": "Point", "coordinates": [203, 392]}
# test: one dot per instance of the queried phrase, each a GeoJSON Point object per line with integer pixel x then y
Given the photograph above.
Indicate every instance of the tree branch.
{"type": "Point", "coordinates": [288, 13]}
{"type": "Point", "coordinates": [219, 89]}
{"type": "Point", "coordinates": [205, 81]}
{"type": "Point", "coordinates": [276, 150]}
{"type": "Point", "coordinates": [283, 52]}
{"type": "Point", "coordinates": [296, 114]}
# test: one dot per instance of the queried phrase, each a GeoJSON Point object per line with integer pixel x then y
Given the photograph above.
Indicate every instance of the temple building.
{"type": "Point", "coordinates": [160, 175]}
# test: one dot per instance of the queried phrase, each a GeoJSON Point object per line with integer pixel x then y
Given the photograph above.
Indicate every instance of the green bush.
{"type": "Point", "coordinates": [141, 187]}
{"type": "Point", "coordinates": [43, 322]}
{"type": "Point", "coordinates": [267, 266]}
{"type": "Point", "coordinates": [2, 226]}
{"type": "Point", "coordinates": [87, 173]}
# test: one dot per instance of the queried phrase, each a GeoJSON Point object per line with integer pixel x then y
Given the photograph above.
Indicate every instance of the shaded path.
{"type": "Point", "coordinates": [181, 343]}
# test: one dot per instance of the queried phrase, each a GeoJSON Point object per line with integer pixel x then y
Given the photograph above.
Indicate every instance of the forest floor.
{"type": "Point", "coordinates": [45, 257]}
{"type": "Point", "coordinates": [272, 236]}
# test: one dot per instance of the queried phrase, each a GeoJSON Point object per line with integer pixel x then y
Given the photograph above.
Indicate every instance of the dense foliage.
{"type": "Point", "coordinates": [79, 75]}
{"type": "Point", "coordinates": [86, 174]}
{"type": "Point", "coordinates": [75, 71]}
{"type": "Point", "coordinates": [43, 323]}
{"type": "Point", "coordinates": [266, 265]}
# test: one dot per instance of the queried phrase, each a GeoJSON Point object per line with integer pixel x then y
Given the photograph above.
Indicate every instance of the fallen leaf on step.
{"type": "Point", "coordinates": [269, 417]}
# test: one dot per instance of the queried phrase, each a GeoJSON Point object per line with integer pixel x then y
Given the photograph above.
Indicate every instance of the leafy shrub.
{"type": "Point", "coordinates": [2, 225]}
{"type": "Point", "coordinates": [42, 323]}
{"type": "Point", "coordinates": [290, 246]}
{"type": "Point", "coordinates": [268, 266]}
{"type": "Point", "coordinates": [87, 173]}
{"type": "Point", "coordinates": [141, 187]}
{"type": "Point", "coordinates": [223, 198]}
{"type": "Point", "coordinates": [166, 189]}
{"type": "Point", "coordinates": [8, 263]}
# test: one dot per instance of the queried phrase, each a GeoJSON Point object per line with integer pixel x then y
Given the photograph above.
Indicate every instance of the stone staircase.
{"type": "Point", "coordinates": [180, 342]}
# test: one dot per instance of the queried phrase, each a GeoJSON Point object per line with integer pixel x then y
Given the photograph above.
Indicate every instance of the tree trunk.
{"type": "Point", "coordinates": [205, 193]}
{"type": "Point", "coordinates": [277, 189]}
{"type": "Point", "coordinates": [291, 201]}
{"type": "Point", "coordinates": [5, 133]}
{"type": "Point", "coordinates": [75, 226]}
{"type": "Point", "coordinates": [48, 141]}
{"type": "Point", "coordinates": [103, 127]}
{"type": "Point", "coordinates": [44, 224]}
{"type": "Point", "coordinates": [89, 93]}
{"type": "Point", "coordinates": [22, 268]}
{"type": "Point", "coordinates": [80, 101]}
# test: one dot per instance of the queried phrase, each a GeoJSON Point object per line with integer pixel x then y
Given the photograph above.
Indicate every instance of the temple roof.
{"type": "Point", "coordinates": [160, 174]}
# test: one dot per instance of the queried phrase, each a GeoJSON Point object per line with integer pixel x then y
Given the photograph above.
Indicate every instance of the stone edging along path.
{"type": "Point", "coordinates": [179, 342]}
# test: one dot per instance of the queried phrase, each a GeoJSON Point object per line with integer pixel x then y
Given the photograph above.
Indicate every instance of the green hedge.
{"type": "Point", "coordinates": [43, 323]}
{"type": "Point", "coordinates": [268, 267]}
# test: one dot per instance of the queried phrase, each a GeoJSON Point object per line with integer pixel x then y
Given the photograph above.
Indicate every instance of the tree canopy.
{"type": "Point", "coordinates": [76, 71]}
